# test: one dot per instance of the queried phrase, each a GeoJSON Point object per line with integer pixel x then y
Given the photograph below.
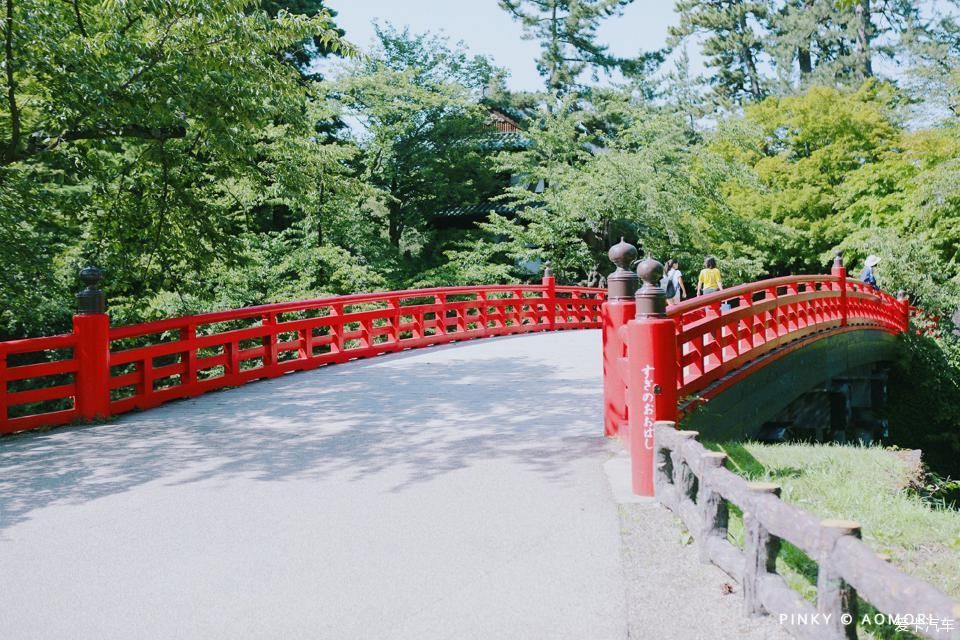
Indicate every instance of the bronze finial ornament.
{"type": "Point", "coordinates": [651, 298]}
{"type": "Point", "coordinates": [622, 283]}
{"type": "Point", "coordinates": [91, 299]}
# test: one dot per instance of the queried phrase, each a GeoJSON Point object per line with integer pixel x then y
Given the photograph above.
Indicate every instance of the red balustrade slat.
{"type": "Point", "coordinates": [188, 357]}
{"type": "Point", "coordinates": [40, 395]}
{"type": "Point", "coordinates": [40, 370]}
{"type": "Point", "coordinates": [29, 345]}
{"type": "Point", "coordinates": [48, 419]}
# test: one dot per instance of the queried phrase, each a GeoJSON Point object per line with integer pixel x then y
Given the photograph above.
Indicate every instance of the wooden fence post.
{"type": "Point", "coordinates": [683, 476]}
{"type": "Point", "coordinates": [834, 596]}
{"type": "Point", "coordinates": [760, 549]}
{"type": "Point", "coordinates": [713, 508]}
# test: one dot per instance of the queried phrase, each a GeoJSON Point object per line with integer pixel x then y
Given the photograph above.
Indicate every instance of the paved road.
{"type": "Point", "coordinates": [452, 492]}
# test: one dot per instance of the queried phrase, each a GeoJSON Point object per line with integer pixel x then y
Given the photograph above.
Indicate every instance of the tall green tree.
{"type": "Point", "coordinates": [567, 32]}
{"type": "Point", "coordinates": [731, 32]}
{"type": "Point", "coordinates": [418, 120]}
{"type": "Point", "coordinates": [841, 41]}
{"type": "Point", "coordinates": [617, 167]}
{"type": "Point", "coordinates": [141, 136]}
{"type": "Point", "coordinates": [808, 153]}
{"type": "Point", "coordinates": [934, 74]}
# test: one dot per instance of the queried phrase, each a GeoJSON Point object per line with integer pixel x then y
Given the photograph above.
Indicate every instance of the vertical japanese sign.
{"type": "Point", "coordinates": [649, 406]}
{"type": "Point", "coordinates": [652, 392]}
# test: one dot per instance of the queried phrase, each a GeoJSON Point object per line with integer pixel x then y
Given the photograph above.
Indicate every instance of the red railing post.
{"type": "Point", "coordinates": [904, 301]}
{"type": "Point", "coordinates": [616, 312]}
{"type": "Point", "coordinates": [652, 395]}
{"type": "Point", "coordinates": [550, 295]}
{"type": "Point", "coordinates": [188, 336]}
{"type": "Point", "coordinates": [3, 387]}
{"type": "Point", "coordinates": [484, 319]}
{"type": "Point", "coordinates": [840, 271]}
{"type": "Point", "coordinates": [91, 325]}
{"type": "Point", "coordinates": [269, 343]}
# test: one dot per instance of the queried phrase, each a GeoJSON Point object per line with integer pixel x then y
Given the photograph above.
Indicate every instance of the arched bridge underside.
{"type": "Point", "coordinates": [737, 405]}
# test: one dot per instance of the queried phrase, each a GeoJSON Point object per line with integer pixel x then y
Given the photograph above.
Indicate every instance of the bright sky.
{"type": "Point", "coordinates": [487, 29]}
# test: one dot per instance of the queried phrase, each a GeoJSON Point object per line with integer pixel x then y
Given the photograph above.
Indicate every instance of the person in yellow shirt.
{"type": "Point", "coordinates": [709, 280]}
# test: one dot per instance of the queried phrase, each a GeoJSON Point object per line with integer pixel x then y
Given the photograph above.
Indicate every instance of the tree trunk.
{"type": "Point", "coordinates": [755, 90]}
{"type": "Point", "coordinates": [11, 152]}
{"type": "Point", "coordinates": [394, 214]}
{"type": "Point", "coordinates": [806, 62]}
{"type": "Point", "coordinates": [864, 29]}
{"type": "Point", "coordinates": [554, 52]}
{"type": "Point", "coordinates": [803, 52]}
{"type": "Point", "coordinates": [394, 223]}
{"type": "Point", "coordinates": [749, 62]}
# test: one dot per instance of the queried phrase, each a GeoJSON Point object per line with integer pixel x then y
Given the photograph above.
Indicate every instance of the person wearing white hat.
{"type": "Point", "coordinates": [867, 275]}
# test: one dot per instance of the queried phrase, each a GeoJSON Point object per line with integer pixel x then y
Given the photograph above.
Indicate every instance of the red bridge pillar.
{"type": "Point", "coordinates": [652, 346]}
{"type": "Point", "coordinates": [91, 325]}
{"type": "Point", "coordinates": [617, 311]}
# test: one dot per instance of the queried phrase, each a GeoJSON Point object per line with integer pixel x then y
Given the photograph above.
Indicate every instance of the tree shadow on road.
{"type": "Point", "coordinates": [417, 416]}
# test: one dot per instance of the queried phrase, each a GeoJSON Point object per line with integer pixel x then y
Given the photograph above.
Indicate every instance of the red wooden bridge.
{"type": "Point", "coordinates": [693, 351]}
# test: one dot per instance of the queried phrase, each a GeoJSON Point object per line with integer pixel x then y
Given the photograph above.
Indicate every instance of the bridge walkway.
{"type": "Point", "coordinates": [451, 492]}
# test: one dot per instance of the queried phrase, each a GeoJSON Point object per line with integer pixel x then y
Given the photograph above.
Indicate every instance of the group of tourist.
{"type": "Point", "coordinates": [672, 283]}
{"type": "Point", "coordinates": [710, 280]}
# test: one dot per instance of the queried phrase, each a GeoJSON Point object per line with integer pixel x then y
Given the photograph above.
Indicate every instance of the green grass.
{"type": "Point", "coordinates": [866, 484]}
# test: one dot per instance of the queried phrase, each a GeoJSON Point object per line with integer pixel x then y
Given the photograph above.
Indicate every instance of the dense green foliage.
{"type": "Point", "coordinates": [192, 151]}
{"type": "Point", "coordinates": [146, 137]}
{"type": "Point", "coordinates": [421, 129]}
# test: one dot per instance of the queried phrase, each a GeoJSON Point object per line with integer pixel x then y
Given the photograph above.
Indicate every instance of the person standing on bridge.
{"type": "Point", "coordinates": [672, 283]}
{"type": "Point", "coordinates": [867, 275]}
{"type": "Point", "coordinates": [709, 280]}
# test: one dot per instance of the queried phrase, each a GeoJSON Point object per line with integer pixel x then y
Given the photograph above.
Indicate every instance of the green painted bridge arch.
{"type": "Point", "coordinates": [739, 406]}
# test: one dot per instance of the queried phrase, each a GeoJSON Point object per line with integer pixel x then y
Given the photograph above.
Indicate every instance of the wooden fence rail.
{"type": "Point", "coordinates": [693, 483]}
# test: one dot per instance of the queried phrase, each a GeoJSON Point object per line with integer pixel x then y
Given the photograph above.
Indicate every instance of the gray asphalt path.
{"type": "Point", "coordinates": [451, 492]}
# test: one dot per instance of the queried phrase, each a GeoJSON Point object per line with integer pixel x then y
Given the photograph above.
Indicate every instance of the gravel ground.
{"type": "Point", "coordinates": [670, 594]}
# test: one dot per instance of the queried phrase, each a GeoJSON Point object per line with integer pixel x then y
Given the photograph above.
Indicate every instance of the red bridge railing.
{"type": "Point", "coordinates": [97, 371]}
{"type": "Point", "coordinates": [656, 357]}
{"type": "Point", "coordinates": [720, 333]}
